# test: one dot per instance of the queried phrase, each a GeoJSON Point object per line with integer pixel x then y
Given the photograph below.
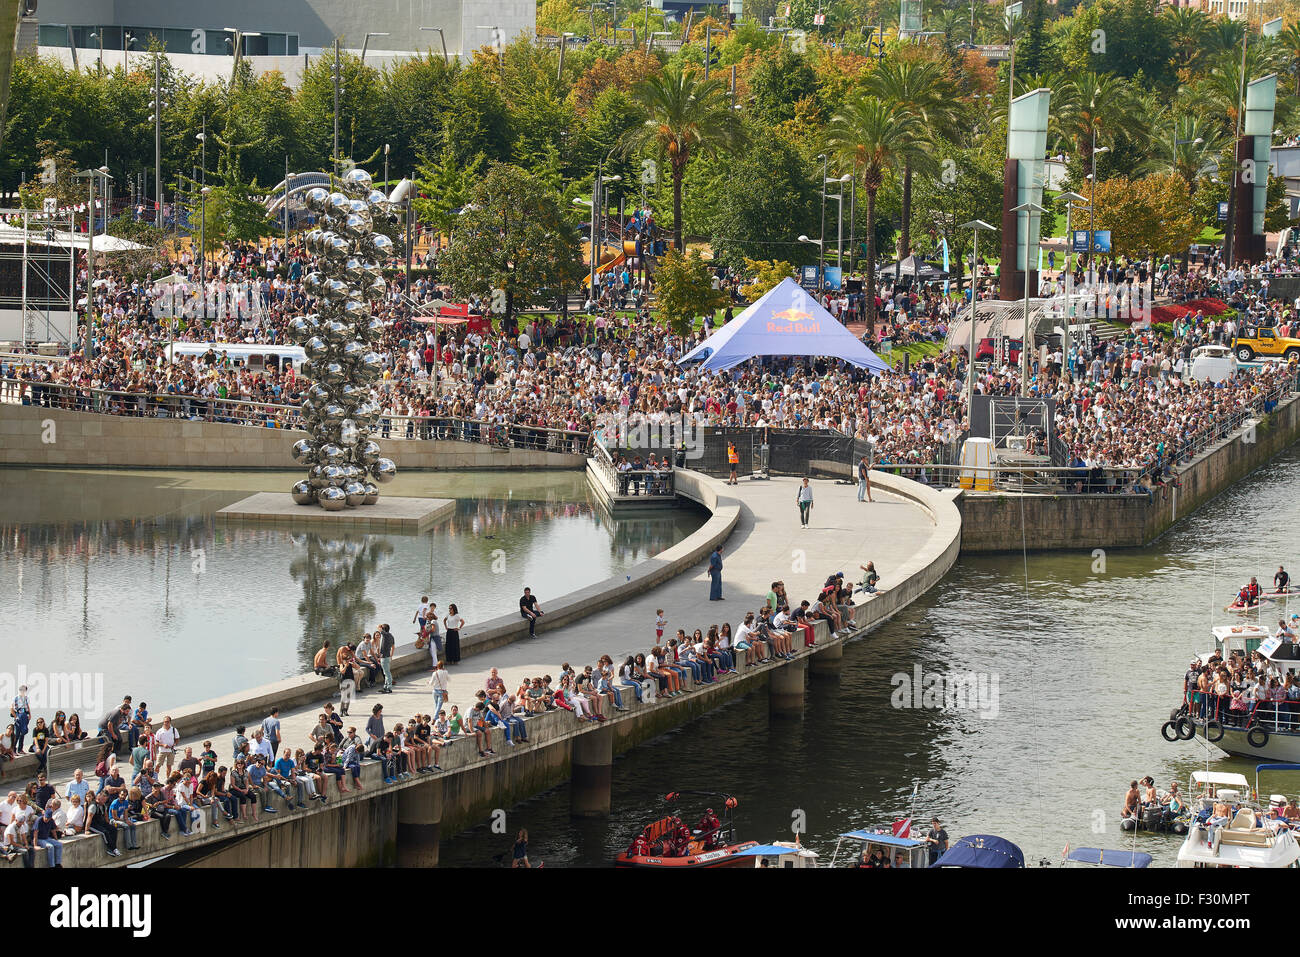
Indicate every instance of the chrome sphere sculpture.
{"type": "Point", "coordinates": [344, 467]}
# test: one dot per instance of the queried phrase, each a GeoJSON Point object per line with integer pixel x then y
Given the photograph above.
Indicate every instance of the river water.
{"type": "Point", "coordinates": [1081, 656]}
{"type": "Point", "coordinates": [129, 575]}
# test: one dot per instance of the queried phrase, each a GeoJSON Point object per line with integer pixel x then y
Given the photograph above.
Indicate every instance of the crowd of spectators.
{"type": "Point", "coordinates": [1128, 403]}
{"type": "Point", "coordinates": [144, 772]}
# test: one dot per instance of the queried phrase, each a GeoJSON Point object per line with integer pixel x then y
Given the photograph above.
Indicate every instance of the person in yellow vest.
{"type": "Point", "coordinates": [733, 459]}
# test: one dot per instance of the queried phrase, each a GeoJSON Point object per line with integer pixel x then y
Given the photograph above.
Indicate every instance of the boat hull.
{"type": "Point", "coordinates": [1279, 746]}
{"type": "Point", "coordinates": [723, 857]}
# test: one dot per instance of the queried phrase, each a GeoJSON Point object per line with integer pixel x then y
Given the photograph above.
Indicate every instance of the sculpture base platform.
{"type": "Point", "coordinates": [389, 514]}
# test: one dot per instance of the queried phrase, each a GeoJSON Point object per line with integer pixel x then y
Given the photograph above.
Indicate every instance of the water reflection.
{"type": "Point", "coordinates": [333, 573]}
{"type": "Point", "coordinates": [131, 574]}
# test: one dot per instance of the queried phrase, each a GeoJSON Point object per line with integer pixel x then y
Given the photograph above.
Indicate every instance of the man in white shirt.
{"type": "Point", "coordinates": [166, 739]}
{"type": "Point", "coordinates": [440, 682]}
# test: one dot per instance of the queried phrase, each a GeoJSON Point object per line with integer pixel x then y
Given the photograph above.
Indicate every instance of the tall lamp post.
{"type": "Point", "coordinates": [443, 37]}
{"type": "Point", "coordinates": [1092, 218]}
{"type": "Point", "coordinates": [1031, 242]}
{"type": "Point", "coordinates": [365, 45]}
{"type": "Point", "coordinates": [821, 241]}
{"type": "Point", "coordinates": [976, 226]}
{"type": "Point", "coordinates": [91, 175]}
{"type": "Point", "coordinates": [839, 198]}
{"type": "Point", "coordinates": [203, 248]}
{"type": "Point", "coordinates": [1072, 200]}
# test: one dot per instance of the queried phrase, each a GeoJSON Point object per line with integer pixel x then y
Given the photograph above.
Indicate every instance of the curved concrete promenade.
{"type": "Point", "coordinates": [912, 533]}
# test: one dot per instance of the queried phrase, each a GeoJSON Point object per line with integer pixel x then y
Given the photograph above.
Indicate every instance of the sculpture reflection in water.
{"type": "Point", "coordinates": [333, 573]}
{"type": "Point", "coordinates": [338, 410]}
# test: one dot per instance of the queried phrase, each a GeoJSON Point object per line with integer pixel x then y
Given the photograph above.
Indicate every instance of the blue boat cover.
{"type": "Point", "coordinates": [886, 839]}
{"type": "Point", "coordinates": [767, 850]}
{"type": "Point", "coordinates": [1096, 855]}
{"type": "Point", "coordinates": [982, 850]}
{"type": "Point", "coordinates": [1276, 767]}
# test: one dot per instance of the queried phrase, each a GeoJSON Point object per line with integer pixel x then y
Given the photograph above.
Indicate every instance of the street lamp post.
{"type": "Point", "coordinates": [365, 45]}
{"type": "Point", "coordinates": [443, 37]}
{"type": "Point", "coordinates": [976, 226]}
{"type": "Point", "coordinates": [821, 260]}
{"type": "Point", "coordinates": [334, 158]}
{"type": "Point", "coordinates": [1070, 200]}
{"type": "Point", "coordinates": [1092, 219]}
{"type": "Point", "coordinates": [91, 175]}
{"type": "Point", "coordinates": [1031, 241]}
{"type": "Point", "coordinates": [203, 249]}
{"type": "Point", "coordinates": [839, 240]}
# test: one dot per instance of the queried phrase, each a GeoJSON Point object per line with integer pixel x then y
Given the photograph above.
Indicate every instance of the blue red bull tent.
{"type": "Point", "coordinates": [982, 850]}
{"type": "Point", "coordinates": [786, 321]}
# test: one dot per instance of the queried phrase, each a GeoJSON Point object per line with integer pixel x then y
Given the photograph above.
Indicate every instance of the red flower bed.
{"type": "Point", "coordinates": [1211, 307]}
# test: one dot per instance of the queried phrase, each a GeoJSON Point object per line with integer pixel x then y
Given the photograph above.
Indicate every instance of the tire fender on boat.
{"type": "Point", "coordinates": [1186, 728]}
{"type": "Point", "coordinates": [1169, 731]}
{"type": "Point", "coordinates": [1213, 731]}
{"type": "Point", "coordinates": [1257, 737]}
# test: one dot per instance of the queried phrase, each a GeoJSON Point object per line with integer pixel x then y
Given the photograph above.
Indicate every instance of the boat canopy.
{"type": "Point", "coordinates": [982, 850]}
{"type": "Point", "coordinates": [888, 840]}
{"type": "Point", "coordinates": [1097, 855]}
{"type": "Point", "coordinates": [1218, 778]}
{"type": "Point", "coordinates": [772, 850]}
{"type": "Point", "coordinates": [1276, 767]}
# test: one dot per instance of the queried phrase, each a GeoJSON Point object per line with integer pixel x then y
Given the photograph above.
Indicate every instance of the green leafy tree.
{"type": "Point", "coordinates": [682, 115]}
{"type": "Point", "coordinates": [871, 138]}
{"type": "Point", "coordinates": [442, 185]}
{"type": "Point", "coordinates": [768, 274]}
{"type": "Point", "coordinates": [779, 81]}
{"type": "Point", "coordinates": [923, 89]}
{"type": "Point", "coordinates": [765, 196]}
{"type": "Point", "coordinates": [684, 287]}
{"type": "Point", "coordinates": [514, 246]}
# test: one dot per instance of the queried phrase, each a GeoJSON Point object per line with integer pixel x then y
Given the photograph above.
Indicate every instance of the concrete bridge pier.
{"type": "Point", "coordinates": [419, 824]}
{"type": "Point", "coordinates": [785, 693]}
{"type": "Point", "coordinates": [828, 662]}
{"type": "Point", "coordinates": [592, 773]}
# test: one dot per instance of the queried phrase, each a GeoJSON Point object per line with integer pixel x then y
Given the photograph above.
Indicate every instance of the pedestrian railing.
{"type": "Point", "coordinates": [272, 415]}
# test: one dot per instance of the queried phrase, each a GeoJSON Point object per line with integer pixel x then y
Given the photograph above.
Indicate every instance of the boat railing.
{"type": "Point", "coordinates": [1277, 717]}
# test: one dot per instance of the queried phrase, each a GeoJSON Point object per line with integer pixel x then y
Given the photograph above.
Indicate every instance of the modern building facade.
{"type": "Point", "coordinates": [282, 28]}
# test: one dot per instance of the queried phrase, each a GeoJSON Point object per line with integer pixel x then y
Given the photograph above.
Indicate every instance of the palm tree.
{"type": "Point", "coordinates": [1188, 29]}
{"type": "Point", "coordinates": [1186, 146]}
{"type": "Point", "coordinates": [683, 115]}
{"type": "Point", "coordinates": [1290, 42]}
{"type": "Point", "coordinates": [922, 88]}
{"type": "Point", "coordinates": [1087, 104]}
{"type": "Point", "coordinates": [870, 137]}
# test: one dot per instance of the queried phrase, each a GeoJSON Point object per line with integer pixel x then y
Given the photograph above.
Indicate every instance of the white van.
{"type": "Point", "coordinates": [255, 356]}
{"type": "Point", "coordinates": [1212, 364]}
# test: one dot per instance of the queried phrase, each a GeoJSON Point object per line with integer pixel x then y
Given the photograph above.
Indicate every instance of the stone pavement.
{"type": "Point", "coordinates": [767, 544]}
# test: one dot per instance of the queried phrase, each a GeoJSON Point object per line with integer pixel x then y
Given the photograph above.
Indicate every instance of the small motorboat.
{"type": "Point", "coordinates": [1099, 857]}
{"type": "Point", "coordinates": [982, 851]}
{"type": "Point", "coordinates": [670, 844]}
{"type": "Point", "coordinates": [881, 848]}
{"type": "Point", "coordinates": [1245, 834]}
{"type": "Point", "coordinates": [779, 854]}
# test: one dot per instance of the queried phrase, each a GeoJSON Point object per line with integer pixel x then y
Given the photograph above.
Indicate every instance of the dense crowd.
{"type": "Point", "coordinates": [143, 771]}
{"type": "Point", "coordinates": [1128, 404]}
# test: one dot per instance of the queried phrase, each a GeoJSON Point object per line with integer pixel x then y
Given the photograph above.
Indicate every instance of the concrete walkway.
{"type": "Point", "coordinates": [767, 544]}
{"type": "Point", "coordinates": [912, 540]}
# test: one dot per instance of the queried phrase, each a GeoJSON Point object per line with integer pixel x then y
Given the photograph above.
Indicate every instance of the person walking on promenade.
{"type": "Point", "coordinates": [715, 575]}
{"type": "Point", "coordinates": [864, 480]}
{"type": "Point", "coordinates": [440, 681]}
{"type": "Point", "coordinates": [804, 499]}
{"type": "Point", "coordinates": [386, 643]}
{"type": "Point", "coordinates": [733, 462]}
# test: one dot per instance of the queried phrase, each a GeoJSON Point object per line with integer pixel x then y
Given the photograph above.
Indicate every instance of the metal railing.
{"type": "Point", "coordinates": [270, 415]}
{"type": "Point", "coordinates": [656, 483]}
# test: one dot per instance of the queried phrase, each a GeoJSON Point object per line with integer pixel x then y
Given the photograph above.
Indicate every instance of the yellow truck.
{"type": "Point", "coordinates": [1266, 343]}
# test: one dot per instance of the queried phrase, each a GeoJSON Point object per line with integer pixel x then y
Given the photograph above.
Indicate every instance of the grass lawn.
{"type": "Point", "coordinates": [916, 351]}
